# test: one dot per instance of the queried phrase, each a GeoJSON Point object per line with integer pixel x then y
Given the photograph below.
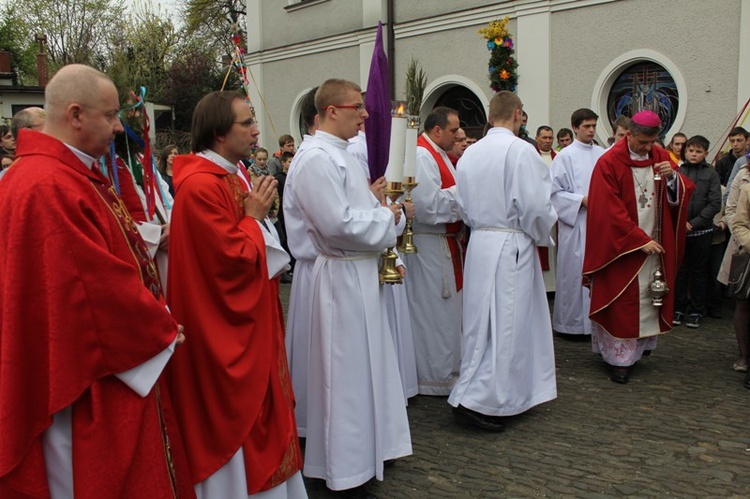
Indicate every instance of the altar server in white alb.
{"type": "Point", "coordinates": [396, 302]}
{"type": "Point", "coordinates": [571, 174]}
{"type": "Point", "coordinates": [356, 416]}
{"type": "Point", "coordinates": [508, 360]}
{"type": "Point", "coordinates": [435, 275]}
{"type": "Point", "coordinates": [301, 246]}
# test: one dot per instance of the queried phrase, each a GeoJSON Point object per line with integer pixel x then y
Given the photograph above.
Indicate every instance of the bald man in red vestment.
{"type": "Point", "coordinates": [85, 332]}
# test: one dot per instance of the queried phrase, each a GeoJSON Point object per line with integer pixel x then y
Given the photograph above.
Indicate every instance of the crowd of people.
{"type": "Point", "coordinates": [144, 346]}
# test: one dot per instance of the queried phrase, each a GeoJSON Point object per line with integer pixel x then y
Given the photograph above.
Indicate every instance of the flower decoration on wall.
{"type": "Point", "coordinates": [502, 64]}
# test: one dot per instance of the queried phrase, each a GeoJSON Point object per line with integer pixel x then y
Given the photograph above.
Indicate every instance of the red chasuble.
{"type": "Point", "coordinates": [613, 254]}
{"type": "Point", "coordinates": [452, 230]}
{"type": "Point", "coordinates": [80, 301]}
{"type": "Point", "coordinates": [231, 382]}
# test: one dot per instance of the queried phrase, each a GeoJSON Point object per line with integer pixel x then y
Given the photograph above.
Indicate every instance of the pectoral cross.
{"type": "Point", "coordinates": [642, 200]}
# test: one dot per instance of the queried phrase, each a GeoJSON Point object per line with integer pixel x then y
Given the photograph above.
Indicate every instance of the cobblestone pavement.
{"type": "Point", "coordinates": [679, 428]}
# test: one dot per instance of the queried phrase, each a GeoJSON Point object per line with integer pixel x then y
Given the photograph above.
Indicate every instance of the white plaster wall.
{"type": "Point", "coordinates": [282, 27]}
{"type": "Point", "coordinates": [285, 79]}
{"type": "Point", "coordinates": [409, 10]}
{"type": "Point", "coordinates": [700, 37]}
{"type": "Point", "coordinates": [460, 51]}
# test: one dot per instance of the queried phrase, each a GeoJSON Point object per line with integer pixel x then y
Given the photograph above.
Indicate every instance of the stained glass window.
{"type": "Point", "coordinates": [644, 85]}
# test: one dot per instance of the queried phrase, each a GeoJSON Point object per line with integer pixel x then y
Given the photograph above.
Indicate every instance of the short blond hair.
{"type": "Point", "coordinates": [503, 105]}
{"type": "Point", "coordinates": [331, 93]}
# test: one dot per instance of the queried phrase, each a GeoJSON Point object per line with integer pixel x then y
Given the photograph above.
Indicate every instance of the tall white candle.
{"type": "Point", "coordinates": [410, 155]}
{"type": "Point", "coordinates": [395, 170]}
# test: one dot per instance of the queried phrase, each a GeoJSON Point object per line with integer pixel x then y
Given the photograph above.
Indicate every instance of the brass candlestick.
{"type": "Point", "coordinates": [407, 238]}
{"type": "Point", "coordinates": [388, 273]}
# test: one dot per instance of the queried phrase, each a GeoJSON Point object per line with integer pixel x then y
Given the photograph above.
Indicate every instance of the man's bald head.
{"type": "Point", "coordinates": [82, 108]}
{"type": "Point", "coordinates": [31, 118]}
{"type": "Point", "coordinates": [74, 83]}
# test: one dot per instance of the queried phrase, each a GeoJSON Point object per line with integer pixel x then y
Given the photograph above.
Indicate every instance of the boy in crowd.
{"type": "Point", "coordinates": [286, 143]}
{"type": "Point", "coordinates": [704, 204]}
{"type": "Point", "coordinates": [286, 160]}
{"type": "Point", "coordinates": [738, 141]}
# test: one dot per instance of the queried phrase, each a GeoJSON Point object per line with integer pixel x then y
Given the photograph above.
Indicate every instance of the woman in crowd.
{"type": "Point", "coordinates": [165, 165]}
{"type": "Point", "coordinates": [732, 219]}
{"type": "Point", "coordinates": [7, 142]}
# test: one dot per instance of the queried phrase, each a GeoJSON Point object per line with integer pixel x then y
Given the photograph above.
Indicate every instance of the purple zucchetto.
{"type": "Point", "coordinates": [647, 118]}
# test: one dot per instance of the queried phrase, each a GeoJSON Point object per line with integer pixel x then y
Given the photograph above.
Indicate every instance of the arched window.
{"type": "Point", "coordinates": [470, 109]}
{"type": "Point", "coordinates": [644, 85]}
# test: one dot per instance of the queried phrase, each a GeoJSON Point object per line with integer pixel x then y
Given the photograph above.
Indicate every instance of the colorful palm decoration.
{"type": "Point", "coordinates": [502, 65]}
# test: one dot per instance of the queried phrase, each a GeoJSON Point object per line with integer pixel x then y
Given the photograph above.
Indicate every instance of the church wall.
{"type": "Point", "coordinates": [702, 41]}
{"type": "Point", "coordinates": [409, 10]}
{"type": "Point", "coordinates": [460, 51]}
{"type": "Point", "coordinates": [283, 27]}
{"type": "Point", "coordinates": [287, 78]}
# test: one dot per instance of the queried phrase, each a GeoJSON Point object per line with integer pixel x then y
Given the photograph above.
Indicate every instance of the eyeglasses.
{"type": "Point", "coordinates": [245, 123]}
{"type": "Point", "coordinates": [358, 107]}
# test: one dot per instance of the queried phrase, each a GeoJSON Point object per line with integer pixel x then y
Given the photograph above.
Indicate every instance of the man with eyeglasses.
{"type": "Point", "coordinates": [231, 388]}
{"type": "Point", "coordinates": [460, 144]}
{"type": "Point", "coordinates": [435, 275]}
{"type": "Point", "coordinates": [85, 331]}
{"type": "Point", "coordinates": [356, 417]}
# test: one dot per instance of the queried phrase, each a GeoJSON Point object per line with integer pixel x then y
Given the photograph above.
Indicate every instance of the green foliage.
{"type": "Point", "coordinates": [416, 82]}
{"type": "Point", "coordinates": [195, 72]}
{"type": "Point", "coordinates": [16, 38]}
{"type": "Point", "coordinates": [215, 20]}
{"type": "Point", "coordinates": [78, 31]}
{"type": "Point", "coordinates": [143, 54]}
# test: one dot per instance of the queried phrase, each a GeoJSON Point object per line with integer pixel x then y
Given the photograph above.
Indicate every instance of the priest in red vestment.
{"type": "Point", "coordinates": [85, 329]}
{"type": "Point", "coordinates": [636, 226]}
{"type": "Point", "coordinates": [231, 384]}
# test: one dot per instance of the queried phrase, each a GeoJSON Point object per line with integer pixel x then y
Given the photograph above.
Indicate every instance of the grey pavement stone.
{"type": "Point", "coordinates": [678, 429]}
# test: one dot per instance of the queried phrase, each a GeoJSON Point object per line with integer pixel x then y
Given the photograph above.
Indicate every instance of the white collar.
{"type": "Point", "coordinates": [217, 159]}
{"type": "Point", "coordinates": [82, 156]}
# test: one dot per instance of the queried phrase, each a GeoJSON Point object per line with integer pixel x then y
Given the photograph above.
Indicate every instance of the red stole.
{"type": "Point", "coordinates": [451, 229]}
{"type": "Point", "coordinates": [544, 250]}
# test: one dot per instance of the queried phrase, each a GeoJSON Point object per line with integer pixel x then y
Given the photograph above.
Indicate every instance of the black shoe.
{"type": "Point", "coordinates": [694, 321]}
{"type": "Point", "coordinates": [619, 375]}
{"type": "Point", "coordinates": [488, 423]}
{"type": "Point", "coordinates": [746, 383]}
{"type": "Point", "coordinates": [678, 318]}
{"type": "Point", "coordinates": [355, 493]}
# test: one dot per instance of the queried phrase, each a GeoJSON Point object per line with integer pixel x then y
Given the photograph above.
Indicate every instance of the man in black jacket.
{"type": "Point", "coordinates": [738, 141]}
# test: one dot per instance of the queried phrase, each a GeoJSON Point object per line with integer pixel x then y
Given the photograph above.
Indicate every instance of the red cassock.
{"type": "Point", "coordinates": [80, 301]}
{"type": "Point", "coordinates": [613, 254]}
{"type": "Point", "coordinates": [230, 382]}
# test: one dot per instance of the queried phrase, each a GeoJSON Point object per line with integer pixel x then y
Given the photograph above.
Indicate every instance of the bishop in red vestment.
{"type": "Point", "coordinates": [231, 386]}
{"type": "Point", "coordinates": [80, 302]}
{"type": "Point", "coordinates": [622, 221]}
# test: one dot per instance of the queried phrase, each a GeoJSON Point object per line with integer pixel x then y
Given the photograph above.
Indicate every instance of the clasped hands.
{"type": "Point", "coordinates": [258, 201]}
